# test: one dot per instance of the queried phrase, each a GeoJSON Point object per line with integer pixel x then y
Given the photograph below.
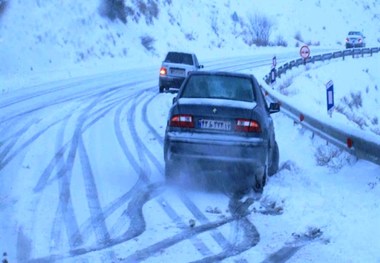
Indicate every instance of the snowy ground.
{"type": "Point", "coordinates": [82, 173]}
{"type": "Point", "coordinates": [81, 141]}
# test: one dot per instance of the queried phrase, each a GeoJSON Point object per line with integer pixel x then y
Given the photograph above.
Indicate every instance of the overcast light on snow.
{"type": "Point", "coordinates": [82, 124]}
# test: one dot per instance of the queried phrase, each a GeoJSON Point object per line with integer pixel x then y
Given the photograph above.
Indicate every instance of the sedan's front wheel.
{"type": "Point", "coordinates": [275, 159]}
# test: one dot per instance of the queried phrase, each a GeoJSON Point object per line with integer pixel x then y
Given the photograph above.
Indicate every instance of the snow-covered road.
{"type": "Point", "coordinates": [81, 165]}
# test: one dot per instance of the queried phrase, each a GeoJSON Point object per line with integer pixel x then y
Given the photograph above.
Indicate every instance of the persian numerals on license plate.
{"type": "Point", "coordinates": [215, 124]}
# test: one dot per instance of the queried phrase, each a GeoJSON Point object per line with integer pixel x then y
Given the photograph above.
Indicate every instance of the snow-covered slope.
{"type": "Point", "coordinates": [59, 38]}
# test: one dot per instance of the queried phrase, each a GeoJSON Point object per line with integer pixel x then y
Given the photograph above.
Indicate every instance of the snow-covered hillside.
{"type": "Point", "coordinates": [62, 38]}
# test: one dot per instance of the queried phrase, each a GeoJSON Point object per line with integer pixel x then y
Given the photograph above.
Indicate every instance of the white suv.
{"type": "Point", "coordinates": [175, 68]}
{"type": "Point", "coordinates": [355, 39]}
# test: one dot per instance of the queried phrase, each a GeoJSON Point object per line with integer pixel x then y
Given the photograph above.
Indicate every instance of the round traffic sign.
{"type": "Point", "coordinates": [305, 52]}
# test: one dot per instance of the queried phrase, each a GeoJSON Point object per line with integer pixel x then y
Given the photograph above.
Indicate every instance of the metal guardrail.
{"type": "Point", "coordinates": [362, 144]}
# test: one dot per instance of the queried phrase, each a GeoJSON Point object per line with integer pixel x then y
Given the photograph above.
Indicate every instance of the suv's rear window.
{"type": "Point", "coordinates": [219, 87]}
{"type": "Point", "coordinates": [180, 58]}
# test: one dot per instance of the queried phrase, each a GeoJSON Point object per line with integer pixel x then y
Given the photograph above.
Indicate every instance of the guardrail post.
{"type": "Point", "coordinates": [350, 143]}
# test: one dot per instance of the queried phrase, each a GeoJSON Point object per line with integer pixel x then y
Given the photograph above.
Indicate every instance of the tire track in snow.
{"type": "Point", "coordinates": [4, 162]}
{"type": "Point", "coordinates": [250, 239]}
{"type": "Point", "coordinates": [88, 224]}
{"type": "Point", "coordinates": [6, 144]}
{"type": "Point", "coordinates": [143, 179]}
{"type": "Point", "coordinates": [77, 147]}
{"type": "Point", "coordinates": [202, 248]}
{"type": "Point", "coordinates": [45, 179]}
{"type": "Point", "coordinates": [64, 168]}
{"type": "Point", "coordinates": [143, 195]}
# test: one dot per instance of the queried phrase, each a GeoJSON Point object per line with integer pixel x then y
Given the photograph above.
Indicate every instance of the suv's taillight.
{"type": "Point", "coordinates": [163, 71]}
{"type": "Point", "coordinates": [244, 125]}
{"type": "Point", "coordinates": [182, 121]}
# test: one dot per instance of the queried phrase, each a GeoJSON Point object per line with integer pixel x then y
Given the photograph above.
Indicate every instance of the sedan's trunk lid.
{"type": "Point", "coordinates": [215, 115]}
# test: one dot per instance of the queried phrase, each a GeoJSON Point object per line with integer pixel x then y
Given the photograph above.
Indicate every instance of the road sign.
{"type": "Point", "coordinates": [305, 52]}
{"type": "Point", "coordinates": [273, 75]}
{"type": "Point", "coordinates": [330, 96]}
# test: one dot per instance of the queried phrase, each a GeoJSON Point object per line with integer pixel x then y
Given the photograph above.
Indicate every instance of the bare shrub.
{"type": "Point", "coordinates": [190, 36]}
{"type": "Point", "coordinates": [214, 25]}
{"type": "Point", "coordinates": [117, 9]}
{"type": "Point", "coordinates": [3, 6]}
{"type": "Point", "coordinates": [376, 130]}
{"type": "Point", "coordinates": [332, 157]}
{"type": "Point", "coordinates": [114, 9]}
{"type": "Point", "coordinates": [353, 102]}
{"type": "Point", "coordinates": [356, 100]}
{"type": "Point", "coordinates": [375, 121]}
{"type": "Point", "coordinates": [148, 42]}
{"type": "Point", "coordinates": [280, 41]}
{"type": "Point", "coordinates": [260, 29]}
{"type": "Point", "coordinates": [149, 9]}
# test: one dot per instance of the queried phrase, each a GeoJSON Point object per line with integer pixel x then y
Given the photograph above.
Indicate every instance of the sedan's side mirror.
{"type": "Point", "coordinates": [274, 107]}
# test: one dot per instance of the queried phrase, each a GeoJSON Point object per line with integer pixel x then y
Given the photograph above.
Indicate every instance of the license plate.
{"type": "Point", "coordinates": [180, 72]}
{"type": "Point", "coordinates": [215, 125]}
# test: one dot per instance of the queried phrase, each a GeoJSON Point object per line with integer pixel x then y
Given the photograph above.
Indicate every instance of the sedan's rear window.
{"type": "Point", "coordinates": [180, 58]}
{"type": "Point", "coordinates": [219, 87]}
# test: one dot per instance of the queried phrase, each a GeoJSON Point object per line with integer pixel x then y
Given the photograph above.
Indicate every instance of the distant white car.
{"type": "Point", "coordinates": [355, 39]}
{"type": "Point", "coordinates": [175, 68]}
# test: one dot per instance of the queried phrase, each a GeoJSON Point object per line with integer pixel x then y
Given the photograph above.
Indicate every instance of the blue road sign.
{"type": "Point", "coordinates": [273, 75]}
{"type": "Point", "coordinates": [330, 95]}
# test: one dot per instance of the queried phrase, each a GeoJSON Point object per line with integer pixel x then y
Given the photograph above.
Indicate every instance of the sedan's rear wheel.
{"type": "Point", "coordinates": [260, 180]}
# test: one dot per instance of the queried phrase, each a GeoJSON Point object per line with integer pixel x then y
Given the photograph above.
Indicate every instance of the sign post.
{"type": "Point", "coordinates": [330, 97]}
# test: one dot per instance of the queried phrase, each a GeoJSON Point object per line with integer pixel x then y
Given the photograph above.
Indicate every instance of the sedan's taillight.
{"type": "Point", "coordinates": [182, 121]}
{"type": "Point", "coordinates": [163, 71]}
{"type": "Point", "coordinates": [360, 40]}
{"type": "Point", "coordinates": [244, 125]}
